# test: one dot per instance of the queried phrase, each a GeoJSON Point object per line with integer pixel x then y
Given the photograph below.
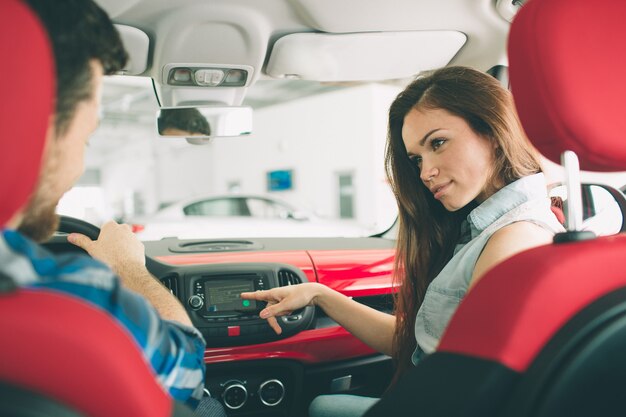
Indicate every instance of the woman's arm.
{"type": "Point", "coordinates": [371, 326]}
{"type": "Point", "coordinates": [508, 241]}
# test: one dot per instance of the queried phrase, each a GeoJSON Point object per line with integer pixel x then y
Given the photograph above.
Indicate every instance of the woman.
{"type": "Point", "coordinates": [470, 194]}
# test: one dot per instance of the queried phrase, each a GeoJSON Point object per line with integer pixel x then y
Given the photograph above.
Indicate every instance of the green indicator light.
{"type": "Point", "coordinates": [246, 303]}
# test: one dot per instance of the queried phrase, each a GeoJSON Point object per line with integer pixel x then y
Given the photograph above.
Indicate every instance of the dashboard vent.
{"type": "Point", "coordinates": [287, 277]}
{"type": "Point", "coordinates": [205, 246]}
{"type": "Point", "coordinates": [171, 282]}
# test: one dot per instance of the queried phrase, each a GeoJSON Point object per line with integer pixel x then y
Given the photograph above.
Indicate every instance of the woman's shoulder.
{"type": "Point", "coordinates": [508, 241]}
{"type": "Point", "coordinates": [521, 233]}
{"type": "Point", "coordinates": [536, 211]}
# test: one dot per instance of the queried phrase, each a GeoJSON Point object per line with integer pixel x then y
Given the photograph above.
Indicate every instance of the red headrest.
{"type": "Point", "coordinates": [26, 99]}
{"type": "Point", "coordinates": [567, 66]}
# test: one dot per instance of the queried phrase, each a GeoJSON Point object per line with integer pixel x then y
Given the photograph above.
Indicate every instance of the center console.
{"type": "Point", "coordinates": [211, 295]}
{"type": "Point", "coordinates": [264, 388]}
{"type": "Point", "coordinates": [214, 304]}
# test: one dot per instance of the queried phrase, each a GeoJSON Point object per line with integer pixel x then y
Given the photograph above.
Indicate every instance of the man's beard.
{"type": "Point", "coordinates": [40, 220]}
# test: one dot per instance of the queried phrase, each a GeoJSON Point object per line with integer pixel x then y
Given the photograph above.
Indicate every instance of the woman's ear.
{"type": "Point", "coordinates": [495, 144]}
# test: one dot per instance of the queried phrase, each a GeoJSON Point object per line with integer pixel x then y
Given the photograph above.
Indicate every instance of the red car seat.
{"type": "Point", "coordinates": [27, 92]}
{"type": "Point", "coordinates": [544, 333]}
{"type": "Point", "coordinates": [58, 355]}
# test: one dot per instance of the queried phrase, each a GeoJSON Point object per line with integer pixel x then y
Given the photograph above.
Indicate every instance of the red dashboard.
{"type": "Point", "coordinates": [353, 272]}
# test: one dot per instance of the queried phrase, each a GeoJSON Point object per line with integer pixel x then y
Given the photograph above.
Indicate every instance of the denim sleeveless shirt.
{"type": "Point", "coordinates": [523, 200]}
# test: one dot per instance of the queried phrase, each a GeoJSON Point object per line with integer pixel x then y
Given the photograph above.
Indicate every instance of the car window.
{"type": "Point", "coordinates": [601, 213]}
{"type": "Point", "coordinates": [222, 207]}
{"type": "Point", "coordinates": [267, 209]}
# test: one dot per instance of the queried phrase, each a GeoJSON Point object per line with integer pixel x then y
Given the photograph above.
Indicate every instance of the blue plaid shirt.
{"type": "Point", "coordinates": [175, 351]}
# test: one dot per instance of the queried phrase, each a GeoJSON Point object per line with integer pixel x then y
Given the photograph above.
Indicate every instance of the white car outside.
{"type": "Point", "coordinates": [234, 216]}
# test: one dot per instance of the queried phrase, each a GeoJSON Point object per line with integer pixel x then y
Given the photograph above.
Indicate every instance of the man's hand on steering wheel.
{"type": "Point", "coordinates": [117, 246]}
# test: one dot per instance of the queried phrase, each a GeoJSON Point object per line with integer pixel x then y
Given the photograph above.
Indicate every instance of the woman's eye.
{"type": "Point", "coordinates": [417, 161]}
{"type": "Point", "coordinates": [436, 143]}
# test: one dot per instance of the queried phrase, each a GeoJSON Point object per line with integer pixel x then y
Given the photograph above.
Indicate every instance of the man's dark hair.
{"type": "Point", "coordinates": [79, 31]}
{"type": "Point", "coordinates": [187, 119]}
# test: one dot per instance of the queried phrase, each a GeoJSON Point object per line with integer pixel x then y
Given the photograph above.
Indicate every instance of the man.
{"type": "Point", "coordinates": [86, 46]}
{"type": "Point", "coordinates": [183, 122]}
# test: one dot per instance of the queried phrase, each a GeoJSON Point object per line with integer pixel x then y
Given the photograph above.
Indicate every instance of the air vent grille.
{"type": "Point", "coordinates": [205, 246]}
{"type": "Point", "coordinates": [171, 282]}
{"type": "Point", "coordinates": [287, 277]}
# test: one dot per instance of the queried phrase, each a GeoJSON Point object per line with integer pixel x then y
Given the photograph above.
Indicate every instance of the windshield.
{"type": "Point", "coordinates": [313, 166]}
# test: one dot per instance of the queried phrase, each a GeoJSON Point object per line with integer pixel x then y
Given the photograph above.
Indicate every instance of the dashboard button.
{"type": "Point", "coordinates": [235, 395]}
{"type": "Point", "coordinates": [234, 331]}
{"type": "Point", "coordinates": [195, 302]}
{"type": "Point", "coordinates": [271, 392]}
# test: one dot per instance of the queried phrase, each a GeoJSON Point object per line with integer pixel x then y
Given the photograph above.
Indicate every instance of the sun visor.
{"type": "Point", "coordinates": [362, 56]}
{"type": "Point", "coordinates": [136, 43]}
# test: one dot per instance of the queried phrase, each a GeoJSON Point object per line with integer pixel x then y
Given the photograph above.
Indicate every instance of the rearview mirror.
{"type": "Point", "coordinates": [204, 122]}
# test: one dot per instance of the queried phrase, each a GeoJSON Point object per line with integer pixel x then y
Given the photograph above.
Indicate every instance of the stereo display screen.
{"type": "Point", "coordinates": [223, 296]}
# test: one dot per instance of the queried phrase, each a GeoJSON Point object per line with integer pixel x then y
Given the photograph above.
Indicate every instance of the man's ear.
{"type": "Point", "coordinates": [50, 136]}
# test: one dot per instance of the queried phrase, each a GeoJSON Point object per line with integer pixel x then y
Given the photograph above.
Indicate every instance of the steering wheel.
{"type": "Point", "coordinates": [73, 225]}
{"type": "Point", "coordinates": [59, 244]}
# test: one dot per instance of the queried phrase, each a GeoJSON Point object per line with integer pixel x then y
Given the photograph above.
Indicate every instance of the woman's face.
{"type": "Point", "coordinates": [455, 163]}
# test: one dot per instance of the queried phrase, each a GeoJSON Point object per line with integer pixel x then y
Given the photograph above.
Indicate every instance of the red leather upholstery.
{"type": "Point", "coordinates": [75, 353]}
{"type": "Point", "coordinates": [27, 90]}
{"type": "Point", "coordinates": [567, 71]}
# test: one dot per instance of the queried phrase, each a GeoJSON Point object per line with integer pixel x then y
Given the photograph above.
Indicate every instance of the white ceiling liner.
{"type": "Point", "coordinates": [346, 16]}
{"type": "Point", "coordinates": [367, 56]}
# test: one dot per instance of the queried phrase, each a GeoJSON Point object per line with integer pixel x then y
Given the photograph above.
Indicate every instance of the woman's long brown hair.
{"type": "Point", "coordinates": [428, 232]}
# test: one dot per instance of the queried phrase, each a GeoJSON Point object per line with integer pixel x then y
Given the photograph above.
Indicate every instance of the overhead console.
{"type": "Point", "coordinates": [211, 295]}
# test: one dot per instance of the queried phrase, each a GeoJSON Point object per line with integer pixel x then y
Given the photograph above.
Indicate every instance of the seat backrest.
{"type": "Point", "coordinates": [544, 333]}
{"type": "Point", "coordinates": [26, 98]}
{"type": "Point", "coordinates": [59, 355]}
{"type": "Point", "coordinates": [77, 354]}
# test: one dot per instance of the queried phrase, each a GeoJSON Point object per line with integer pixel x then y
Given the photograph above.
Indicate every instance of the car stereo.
{"type": "Point", "coordinates": [213, 300]}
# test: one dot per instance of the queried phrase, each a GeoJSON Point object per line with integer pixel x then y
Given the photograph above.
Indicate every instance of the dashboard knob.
{"type": "Point", "coordinates": [235, 396]}
{"type": "Point", "coordinates": [195, 302]}
{"type": "Point", "coordinates": [271, 392]}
